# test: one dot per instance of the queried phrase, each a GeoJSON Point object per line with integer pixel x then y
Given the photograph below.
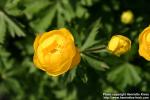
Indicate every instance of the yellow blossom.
{"type": "Point", "coordinates": [55, 52]}
{"type": "Point", "coordinates": [127, 17]}
{"type": "Point", "coordinates": [119, 45]}
{"type": "Point", "coordinates": [144, 43]}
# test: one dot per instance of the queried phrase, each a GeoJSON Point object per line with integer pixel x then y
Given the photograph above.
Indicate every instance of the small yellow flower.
{"type": "Point", "coordinates": [127, 17]}
{"type": "Point", "coordinates": [144, 43]}
{"type": "Point", "coordinates": [119, 45]}
{"type": "Point", "coordinates": [55, 52]}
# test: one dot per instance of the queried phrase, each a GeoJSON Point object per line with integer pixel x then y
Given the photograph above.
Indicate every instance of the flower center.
{"type": "Point", "coordinates": [50, 48]}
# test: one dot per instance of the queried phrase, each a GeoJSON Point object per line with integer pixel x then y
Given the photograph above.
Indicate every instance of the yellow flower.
{"type": "Point", "coordinates": [127, 17]}
{"type": "Point", "coordinates": [119, 45]}
{"type": "Point", "coordinates": [144, 43]}
{"type": "Point", "coordinates": [55, 52]}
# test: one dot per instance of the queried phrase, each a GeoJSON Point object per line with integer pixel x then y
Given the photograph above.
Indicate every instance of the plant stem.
{"type": "Point", "coordinates": [103, 47]}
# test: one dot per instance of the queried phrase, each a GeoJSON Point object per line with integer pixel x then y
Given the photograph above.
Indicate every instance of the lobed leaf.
{"type": "Point", "coordinates": [96, 64]}
{"type": "Point", "coordinates": [91, 38]}
{"type": "Point", "coordinates": [124, 75]}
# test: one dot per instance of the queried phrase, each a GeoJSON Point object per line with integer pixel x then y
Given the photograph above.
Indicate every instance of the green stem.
{"type": "Point", "coordinates": [103, 47]}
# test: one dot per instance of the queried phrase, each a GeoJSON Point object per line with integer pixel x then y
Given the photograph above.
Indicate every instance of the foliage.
{"type": "Point", "coordinates": [92, 22]}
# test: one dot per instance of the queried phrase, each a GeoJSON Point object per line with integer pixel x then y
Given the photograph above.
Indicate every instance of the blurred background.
{"type": "Point", "coordinates": [98, 73]}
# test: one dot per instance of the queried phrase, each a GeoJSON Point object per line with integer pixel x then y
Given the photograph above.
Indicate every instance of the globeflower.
{"type": "Point", "coordinates": [144, 43]}
{"type": "Point", "coordinates": [127, 17]}
{"type": "Point", "coordinates": [55, 52]}
{"type": "Point", "coordinates": [119, 45]}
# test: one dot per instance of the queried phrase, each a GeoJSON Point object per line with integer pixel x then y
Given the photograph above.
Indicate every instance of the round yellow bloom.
{"type": "Point", "coordinates": [144, 43]}
{"type": "Point", "coordinates": [127, 17]}
{"type": "Point", "coordinates": [55, 52]}
{"type": "Point", "coordinates": [119, 45]}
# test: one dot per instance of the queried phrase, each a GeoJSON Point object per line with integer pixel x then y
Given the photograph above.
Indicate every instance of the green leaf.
{"type": "Point", "coordinates": [96, 64]}
{"type": "Point", "coordinates": [33, 8]}
{"type": "Point", "coordinates": [69, 76]}
{"type": "Point", "coordinates": [42, 23]}
{"type": "Point", "coordinates": [125, 74]}
{"type": "Point", "coordinates": [64, 13]}
{"type": "Point", "coordinates": [14, 87]}
{"type": "Point", "coordinates": [87, 2]}
{"type": "Point", "coordinates": [11, 7]}
{"type": "Point", "coordinates": [81, 11]}
{"type": "Point", "coordinates": [61, 93]}
{"type": "Point", "coordinates": [59, 9]}
{"type": "Point", "coordinates": [14, 11]}
{"type": "Point", "coordinates": [60, 20]}
{"type": "Point", "coordinates": [76, 36]}
{"type": "Point", "coordinates": [2, 27]}
{"type": "Point", "coordinates": [91, 38]}
{"type": "Point", "coordinates": [64, 94]}
{"type": "Point", "coordinates": [13, 28]}
{"type": "Point", "coordinates": [67, 10]}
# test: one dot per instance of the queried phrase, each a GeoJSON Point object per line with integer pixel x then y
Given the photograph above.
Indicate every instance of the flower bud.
{"type": "Point", "coordinates": [119, 45]}
{"type": "Point", "coordinates": [127, 17]}
{"type": "Point", "coordinates": [55, 52]}
{"type": "Point", "coordinates": [144, 43]}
